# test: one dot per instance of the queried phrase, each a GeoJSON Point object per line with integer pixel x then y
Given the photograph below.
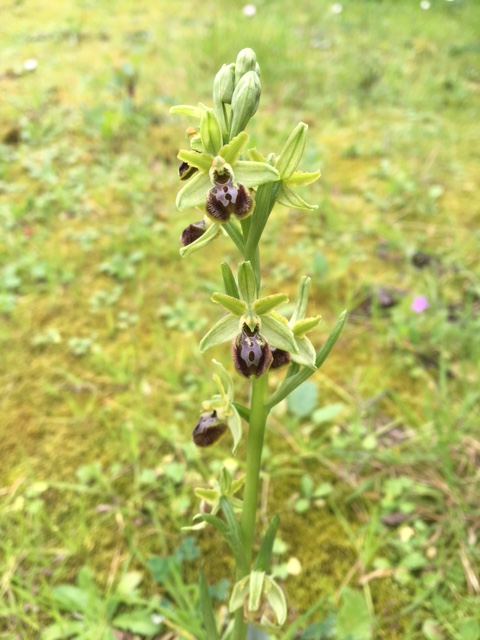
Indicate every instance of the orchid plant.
{"type": "Point", "coordinates": [235, 188]}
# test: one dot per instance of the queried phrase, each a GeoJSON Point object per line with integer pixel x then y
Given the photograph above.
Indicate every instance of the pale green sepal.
{"type": "Point", "coordinates": [277, 334]}
{"type": "Point", "coordinates": [234, 423]}
{"type": "Point", "coordinates": [303, 178]}
{"type": "Point", "coordinates": [210, 132]}
{"type": "Point", "coordinates": [232, 151]}
{"type": "Point", "coordinates": [306, 353]}
{"type": "Point", "coordinates": [255, 155]}
{"type": "Point", "coordinates": [257, 578]}
{"type": "Point", "coordinates": [210, 234]}
{"type": "Point", "coordinates": [302, 300]}
{"type": "Point", "coordinates": [187, 110]}
{"type": "Point", "coordinates": [252, 174]}
{"type": "Point", "coordinates": [239, 592]}
{"type": "Point", "coordinates": [194, 192]}
{"type": "Point", "coordinates": [246, 283]}
{"type": "Point", "coordinates": [223, 331]}
{"type": "Point", "coordinates": [269, 303]}
{"type": "Point", "coordinates": [202, 161]}
{"type": "Point", "coordinates": [292, 152]}
{"type": "Point", "coordinates": [289, 198]}
{"type": "Point", "coordinates": [276, 599]}
{"type": "Point", "coordinates": [302, 327]}
{"type": "Point", "coordinates": [237, 307]}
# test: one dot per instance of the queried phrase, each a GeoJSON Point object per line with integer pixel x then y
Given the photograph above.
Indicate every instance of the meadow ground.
{"type": "Point", "coordinates": [374, 465]}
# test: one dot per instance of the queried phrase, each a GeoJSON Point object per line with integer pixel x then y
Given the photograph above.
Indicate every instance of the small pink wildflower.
{"type": "Point", "coordinates": [419, 304]}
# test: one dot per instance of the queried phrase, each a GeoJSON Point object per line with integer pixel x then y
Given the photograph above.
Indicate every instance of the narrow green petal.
{"type": "Point", "coordinates": [252, 174]}
{"type": "Point", "coordinates": [269, 303]}
{"type": "Point", "coordinates": [231, 304]}
{"type": "Point", "coordinates": [290, 198]}
{"type": "Point", "coordinates": [223, 331]}
{"type": "Point", "coordinates": [302, 327]}
{"type": "Point", "coordinates": [278, 334]}
{"type": "Point", "coordinates": [257, 579]}
{"type": "Point", "coordinates": [232, 151]}
{"type": "Point", "coordinates": [303, 178]}
{"type": "Point", "coordinates": [202, 161]}
{"type": "Point", "coordinates": [210, 234]}
{"type": "Point", "coordinates": [255, 155]}
{"type": "Point", "coordinates": [194, 192]}
{"type": "Point", "coordinates": [292, 152]}
{"type": "Point", "coordinates": [187, 110]}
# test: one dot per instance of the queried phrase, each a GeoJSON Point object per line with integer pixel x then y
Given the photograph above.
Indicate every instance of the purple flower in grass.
{"type": "Point", "coordinates": [419, 304]}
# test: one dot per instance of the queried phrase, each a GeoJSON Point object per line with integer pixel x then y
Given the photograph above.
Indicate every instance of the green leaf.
{"type": "Point", "coordinates": [223, 331]}
{"type": "Point", "coordinates": [187, 110]}
{"type": "Point", "coordinates": [210, 132]}
{"type": "Point", "coordinates": [229, 282]}
{"type": "Point", "coordinates": [328, 413]}
{"type": "Point", "coordinates": [253, 174]}
{"type": "Point", "coordinates": [246, 283]}
{"type": "Point", "coordinates": [303, 400]}
{"type": "Point", "coordinates": [292, 152]}
{"type": "Point", "coordinates": [262, 561]}
{"type": "Point", "coordinates": [322, 354]}
{"type": "Point", "coordinates": [64, 629]}
{"type": "Point", "coordinates": [202, 161]}
{"type": "Point", "coordinates": [232, 305]}
{"type": "Point", "coordinates": [206, 608]}
{"type": "Point", "coordinates": [277, 334]}
{"type": "Point", "coordinates": [234, 423]}
{"type": "Point", "coordinates": [354, 618]}
{"type": "Point", "coordinates": [73, 599]}
{"type": "Point", "coordinates": [290, 198]}
{"type": "Point", "coordinates": [264, 202]}
{"type": "Point", "coordinates": [302, 300]}
{"type": "Point", "coordinates": [136, 621]}
{"type": "Point", "coordinates": [194, 192]}
{"type": "Point", "coordinates": [269, 303]}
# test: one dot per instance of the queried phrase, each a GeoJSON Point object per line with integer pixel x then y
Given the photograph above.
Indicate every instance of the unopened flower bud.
{"type": "Point", "coordinates": [225, 198]}
{"type": "Point", "coordinates": [246, 61]}
{"type": "Point", "coordinates": [280, 358]}
{"type": "Point", "coordinates": [209, 430]}
{"type": "Point", "coordinates": [224, 84]}
{"type": "Point", "coordinates": [251, 353]}
{"type": "Point", "coordinates": [192, 233]}
{"type": "Point", "coordinates": [245, 101]}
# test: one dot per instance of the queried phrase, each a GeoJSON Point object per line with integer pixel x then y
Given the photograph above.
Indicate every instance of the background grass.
{"type": "Point", "coordinates": [374, 467]}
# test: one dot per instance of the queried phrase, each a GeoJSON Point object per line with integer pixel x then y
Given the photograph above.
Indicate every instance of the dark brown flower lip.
{"type": "Point", "coordinates": [251, 353]}
{"type": "Point", "coordinates": [185, 171]}
{"type": "Point", "coordinates": [209, 430]}
{"type": "Point", "coordinates": [225, 199]}
{"type": "Point", "coordinates": [192, 232]}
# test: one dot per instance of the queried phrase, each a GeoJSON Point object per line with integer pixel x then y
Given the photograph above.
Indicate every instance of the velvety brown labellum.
{"type": "Point", "coordinates": [192, 232]}
{"type": "Point", "coordinates": [251, 353]}
{"type": "Point", "coordinates": [280, 358]}
{"type": "Point", "coordinates": [208, 430]}
{"type": "Point", "coordinates": [225, 198]}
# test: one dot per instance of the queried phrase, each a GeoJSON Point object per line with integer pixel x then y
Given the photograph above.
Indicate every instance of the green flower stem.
{"type": "Point", "coordinates": [256, 432]}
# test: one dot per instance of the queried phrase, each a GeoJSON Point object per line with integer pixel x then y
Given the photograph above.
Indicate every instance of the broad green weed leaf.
{"type": "Point", "coordinates": [303, 401]}
{"type": "Point", "coordinates": [354, 618]}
